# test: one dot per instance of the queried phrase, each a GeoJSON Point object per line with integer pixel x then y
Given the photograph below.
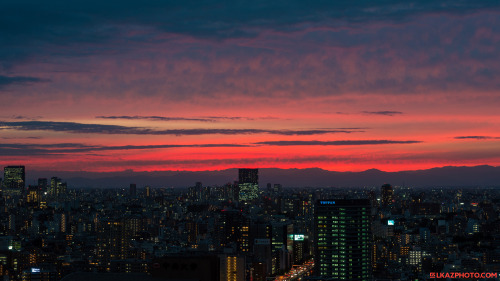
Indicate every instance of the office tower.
{"type": "Point", "coordinates": [234, 229]}
{"type": "Point", "coordinates": [243, 240]}
{"type": "Point", "coordinates": [133, 189]}
{"type": "Point", "coordinates": [112, 242]}
{"type": "Point", "coordinates": [342, 239]}
{"type": "Point", "coordinates": [194, 192]}
{"type": "Point", "coordinates": [62, 188]}
{"type": "Point", "coordinates": [13, 180]}
{"type": "Point", "coordinates": [33, 196]}
{"type": "Point", "coordinates": [232, 267]}
{"type": "Point", "coordinates": [387, 193]}
{"type": "Point", "coordinates": [229, 226]}
{"type": "Point", "coordinates": [54, 181]}
{"type": "Point", "coordinates": [262, 253]}
{"type": "Point", "coordinates": [42, 184]}
{"type": "Point", "coordinates": [300, 248]}
{"type": "Point", "coordinates": [192, 231]}
{"type": "Point", "coordinates": [278, 242]}
{"type": "Point", "coordinates": [234, 193]}
{"type": "Point", "coordinates": [248, 184]}
{"type": "Point", "coordinates": [277, 188]}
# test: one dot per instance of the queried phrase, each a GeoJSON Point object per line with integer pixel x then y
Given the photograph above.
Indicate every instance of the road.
{"type": "Point", "coordinates": [297, 272]}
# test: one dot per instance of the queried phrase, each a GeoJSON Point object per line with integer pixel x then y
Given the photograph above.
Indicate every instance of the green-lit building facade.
{"type": "Point", "coordinates": [342, 239]}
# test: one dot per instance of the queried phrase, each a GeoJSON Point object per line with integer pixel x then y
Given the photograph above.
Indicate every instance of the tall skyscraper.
{"type": "Point", "coordinates": [133, 190]}
{"type": "Point", "coordinates": [42, 184]}
{"type": "Point", "coordinates": [33, 195]}
{"type": "Point", "coordinates": [248, 184]}
{"type": "Point", "coordinates": [13, 180]}
{"type": "Point", "coordinates": [112, 242]}
{"type": "Point", "coordinates": [57, 187]}
{"type": "Point", "coordinates": [342, 239]}
{"type": "Point", "coordinates": [387, 193]}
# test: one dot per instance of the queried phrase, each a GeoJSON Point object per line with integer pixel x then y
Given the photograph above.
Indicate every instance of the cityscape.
{"type": "Point", "coordinates": [283, 140]}
{"type": "Point", "coordinates": [245, 231]}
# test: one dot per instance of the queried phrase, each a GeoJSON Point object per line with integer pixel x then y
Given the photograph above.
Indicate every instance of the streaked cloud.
{"type": "Point", "coordinates": [19, 149]}
{"type": "Point", "coordinates": [156, 118]}
{"type": "Point", "coordinates": [386, 113]}
{"type": "Point", "coordinates": [81, 128]}
{"type": "Point", "coordinates": [19, 80]}
{"type": "Point", "coordinates": [197, 119]}
{"type": "Point", "coordinates": [229, 118]}
{"type": "Point", "coordinates": [476, 138]}
{"type": "Point", "coordinates": [335, 143]}
{"type": "Point", "coordinates": [16, 149]}
{"type": "Point", "coordinates": [19, 138]}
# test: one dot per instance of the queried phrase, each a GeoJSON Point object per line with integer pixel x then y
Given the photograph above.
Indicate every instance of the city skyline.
{"type": "Point", "coordinates": [105, 87]}
{"type": "Point", "coordinates": [212, 233]}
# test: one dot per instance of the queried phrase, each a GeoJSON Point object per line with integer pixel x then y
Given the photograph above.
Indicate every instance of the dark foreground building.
{"type": "Point", "coordinates": [342, 239]}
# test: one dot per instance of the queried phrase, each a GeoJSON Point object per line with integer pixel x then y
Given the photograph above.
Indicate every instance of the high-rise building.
{"type": "Point", "coordinates": [248, 184]}
{"type": "Point", "coordinates": [232, 267]}
{"type": "Point", "coordinates": [42, 184]}
{"type": "Point", "coordinates": [14, 177]}
{"type": "Point", "coordinates": [33, 195]}
{"type": "Point", "coordinates": [300, 249]}
{"type": "Point", "coordinates": [112, 242]}
{"type": "Point", "coordinates": [342, 239]}
{"type": "Point", "coordinates": [13, 180]}
{"type": "Point", "coordinates": [54, 181]}
{"type": "Point", "coordinates": [57, 187]}
{"type": "Point", "coordinates": [262, 253]}
{"type": "Point", "coordinates": [230, 220]}
{"type": "Point", "coordinates": [387, 193]}
{"type": "Point", "coordinates": [133, 189]}
{"type": "Point", "coordinates": [234, 192]}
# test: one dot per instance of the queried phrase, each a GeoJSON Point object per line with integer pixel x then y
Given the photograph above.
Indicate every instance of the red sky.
{"type": "Point", "coordinates": [378, 85]}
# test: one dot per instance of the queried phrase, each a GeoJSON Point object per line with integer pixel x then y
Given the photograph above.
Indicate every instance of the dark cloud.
{"type": "Point", "coordinates": [156, 118]}
{"type": "Point", "coordinates": [81, 128]}
{"type": "Point", "coordinates": [394, 58]}
{"type": "Point", "coordinates": [18, 149]}
{"type": "Point", "coordinates": [19, 80]}
{"type": "Point", "coordinates": [475, 138]}
{"type": "Point", "coordinates": [386, 113]}
{"type": "Point", "coordinates": [18, 138]}
{"type": "Point", "coordinates": [65, 148]}
{"type": "Point", "coordinates": [23, 117]}
{"type": "Point", "coordinates": [200, 119]}
{"type": "Point", "coordinates": [228, 118]}
{"type": "Point", "coordinates": [10, 149]}
{"type": "Point", "coordinates": [342, 142]}
{"type": "Point", "coordinates": [32, 24]}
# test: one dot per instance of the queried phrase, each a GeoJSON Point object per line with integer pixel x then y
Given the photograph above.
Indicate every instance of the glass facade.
{"type": "Point", "coordinates": [248, 184]}
{"type": "Point", "coordinates": [342, 239]}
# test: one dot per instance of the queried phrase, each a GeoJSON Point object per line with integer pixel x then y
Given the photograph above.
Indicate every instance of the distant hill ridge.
{"type": "Point", "coordinates": [449, 176]}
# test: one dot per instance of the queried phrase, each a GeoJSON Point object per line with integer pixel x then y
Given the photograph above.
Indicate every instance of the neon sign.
{"type": "Point", "coordinates": [327, 202]}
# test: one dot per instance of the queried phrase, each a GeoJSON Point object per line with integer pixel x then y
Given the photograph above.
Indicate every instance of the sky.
{"type": "Point", "coordinates": [207, 85]}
